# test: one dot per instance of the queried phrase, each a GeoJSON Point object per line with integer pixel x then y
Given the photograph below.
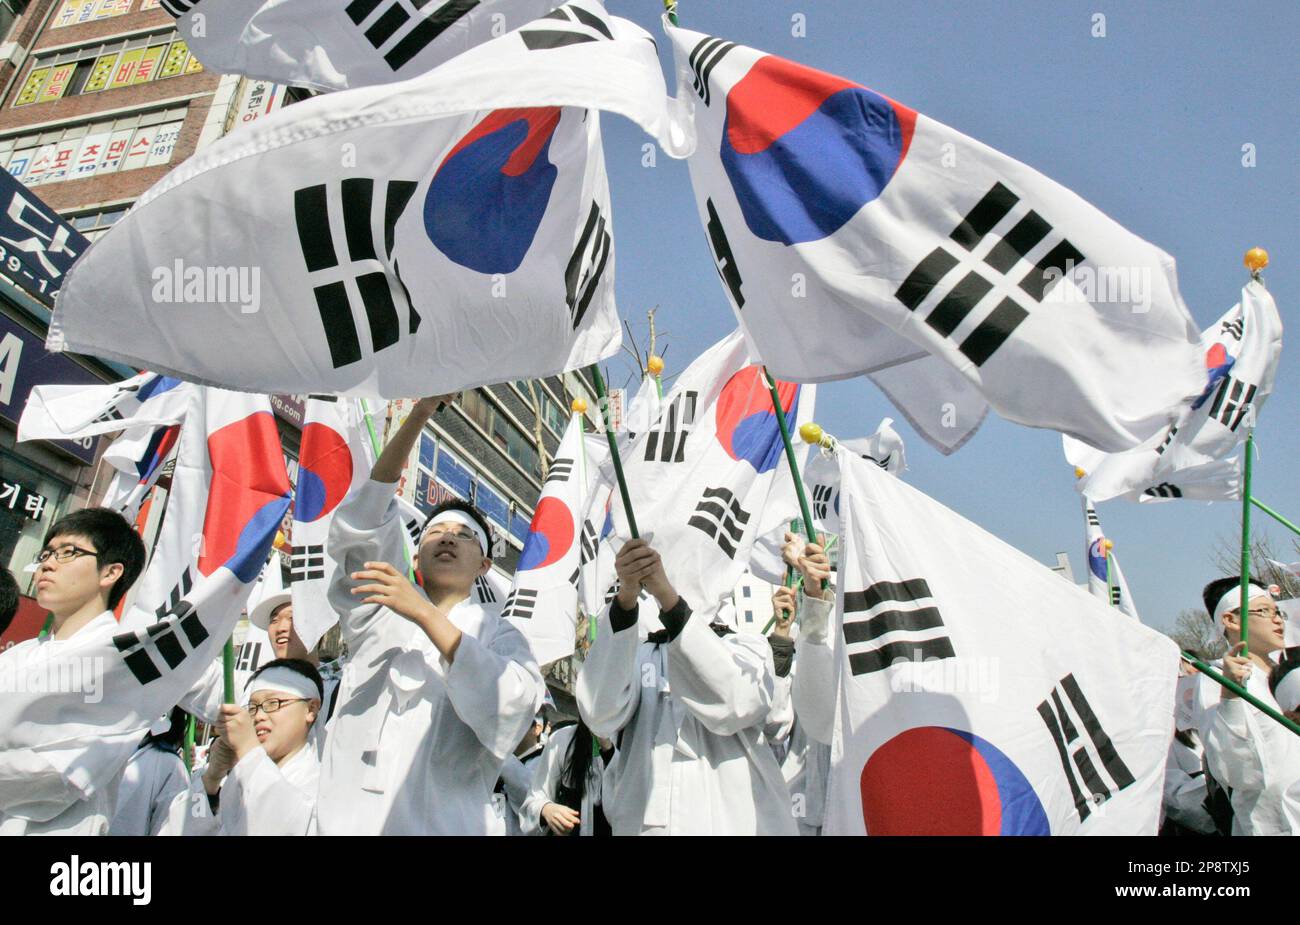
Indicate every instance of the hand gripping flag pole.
{"type": "Point", "coordinates": [599, 381]}
{"type": "Point", "coordinates": [1240, 692]}
{"type": "Point", "coordinates": [789, 581]}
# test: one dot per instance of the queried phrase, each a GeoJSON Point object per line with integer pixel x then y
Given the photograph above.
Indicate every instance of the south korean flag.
{"type": "Point", "coordinates": [850, 241]}
{"type": "Point", "coordinates": [958, 665]}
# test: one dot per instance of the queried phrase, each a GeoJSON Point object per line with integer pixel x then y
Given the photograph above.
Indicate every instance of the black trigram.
{"type": "Point", "coordinates": [560, 470]}
{"type": "Point", "coordinates": [1164, 490]}
{"type": "Point", "coordinates": [1016, 244]}
{"type": "Point", "coordinates": [178, 591]}
{"type": "Point", "coordinates": [307, 563]}
{"type": "Point", "coordinates": [1091, 515]}
{"type": "Point", "coordinates": [822, 495]}
{"type": "Point", "coordinates": [413, 528]}
{"type": "Point", "coordinates": [162, 640]}
{"type": "Point", "coordinates": [587, 264]}
{"type": "Point", "coordinates": [588, 544]}
{"type": "Point", "coordinates": [519, 603]}
{"type": "Point", "coordinates": [417, 28]}
{"type": "Point", "coordinates": [723, 259]}
{"type": "Point", "coordinates": [916, 633]}
{"type": "Point", "coordinates": [1076, 760]}
{"type": "Point", "coordinates": [178, 8]}
{"type": "Point", "coordinates": [704, 58]}
{"type": "Point", "coordinates": [365, 271]}
{"type": "Point", "coordinates": [579, 26]}
{"type": "Point", "coordinates": [720, 515]}
{"type": "Point", "coordinates": [882, 463]}
{"type": "Point", "coordinates": [1231, 402]}
{"type": "Point", "coordinates": [483, 589]}
{"type": "Point", "coordinates": [1169, 438]}
{"type": "Point", "coordinates": [249, 657]}
{"type": "Point", "coordinates": [1116, 597]}
{"type": "Point", "coordinates": [1233, 328]}
{"type": "Point", "coordinates": [666, 442]}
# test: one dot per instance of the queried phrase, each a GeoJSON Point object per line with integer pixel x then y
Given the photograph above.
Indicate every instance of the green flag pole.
{"type": "Point", "coordinates": [671, 7]}
{"type": "Point", "coordinates": [1242, 693]}
{"type": "Point", "coordinates": [789, 456]}
{"type": "Point", "coordinates": [1275, 515]}
{"type": "Point", "coordinates": [188, 751]}
{"type": "Point", "coordinates": [795, 527]}
{"type": "Point", "coordinates": [599, 381]}
{"type": "Point", "coordinates": [45, 627]}
{"type": "Point", "coordinates": [1245, 539]}
{"type": "Point", "coordinates": [228, 672]}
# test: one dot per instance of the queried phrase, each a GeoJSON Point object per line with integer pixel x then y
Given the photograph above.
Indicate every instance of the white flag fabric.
{"type": "Point", "coordinates": [1186, 459]}
{"type": "Point", "coordinates": [228, 496]}
{"type": "Point", "coordinates": [884, 448]}
{"type": "Point", "coordinates": [1105, 578]}
{"type": "Point", "coordinates": [353, 44]}
{"type": "Point", "coordinates": [409, 239]}
{"type": "Point", "coordinates": [64, 412]}
{"type": "Point", "coordinates": [847, 237]}
{"type": "Point", "coordinates": [967, 669]}
{"type": "Point", "coordinates": [138, 457]}
{"type": "Point", "coordinates": [544, 596]}
{"type": "Point", "coordinates": [334, 460]}
{"type": "Point", "coordinates": [937, 400]}
{"type": "Point", "coordinates": [699, 480]}
{"type": "Point", "coordinates": [255, 648]}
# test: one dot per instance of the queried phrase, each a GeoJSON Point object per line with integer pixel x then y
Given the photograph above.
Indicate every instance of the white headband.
{"type": "Point", "coordinates": [1288, 692]}
{"type": "Point", "coordinates": [460, 517]}
{"type": "Point", "coordinates": [1232, 598]}
{"type": "Point", "coordinates": [284, 681]}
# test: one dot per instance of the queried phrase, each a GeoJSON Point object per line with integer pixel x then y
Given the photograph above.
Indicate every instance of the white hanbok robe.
{"type": "Point", "coordinates": [258, 797]}
{"type": "Point", "coordinates": [1259, 760]}
{"type": "Point", "coordinates": [516, 778]}
{"type": "Point", "coordinates": [545, 784]}
{"type": "Point", "coordinates": [688, 716]}
{"type": "Point", "coordinates": [150, 782]}
{"type": "Point", "coordinates": [416, 744]}
{"type": "Point", "coordinates": [806, 762]}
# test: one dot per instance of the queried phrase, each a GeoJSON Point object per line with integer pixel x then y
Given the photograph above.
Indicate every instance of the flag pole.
{"type": "Point", "coordinates": [228, 672]}
{"type": "Point", "coordinates": [189, 744]}
{"type": "Point", "coordinates": [1274, 514]}
{"type": "Point", "coordinates": [579, 407]}
{"type": "Point", "coordinates": [370, 426]}
{"type": "Point", "coordinates": [670, 6]}
{"type": "Point", "coordinates": [1255, 260]}
{"type": "Point", "coordinates": [599, 381]}
{"type": "Point", "coordinates": [1241, 692]}
{"type": "Point", "coordinates": [789, 577]}
{"type": "Point", "coordinates": [1110, 588]}
{"type": "Point", "coordinates": [789, 456]}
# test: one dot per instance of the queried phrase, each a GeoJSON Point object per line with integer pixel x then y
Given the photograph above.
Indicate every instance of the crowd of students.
{"type": "Point", "coordinates": [438, 723]}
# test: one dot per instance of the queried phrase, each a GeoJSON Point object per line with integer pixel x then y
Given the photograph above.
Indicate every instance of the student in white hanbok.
{"type": "Point", "coordinates": [1254, 757]}
{"type": "Point", "coordinates": [62, 751]}
{"type": "Point", "coordinates": [564, 795]}
{"type": "Point", "coordinates": [517, 775]}
{"type": "Point", "coordinates": [152, 779]}
{"type": "Point", "coordinates": [439, 689]}
{"type": "Point", "coordinates": [262, 774]}
{"type": "Point", "coordinates": [687, 710]}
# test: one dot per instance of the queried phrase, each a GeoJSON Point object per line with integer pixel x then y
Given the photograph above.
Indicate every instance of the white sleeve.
{"type": "Point", "coordinates": [40, 783]}
{"type": "Point", "coordinates": [366, 528]}
{"type": "Point", "coordinates": [1242, 747]}
{"type": "Point", "coordinates": [546, 778]}
{"type": "Point", "coordinates": [608, 689]}
{"type": "Point", "coordinates": [174, 783]}
{"type": "Point", "coordinates": [727, 683]}
{"type": "Point", "coordinates": [495, 687]}
{"type": "Point", "coordinates": [780, 719]}
{"type": "Point", "coordinates": [272, 805]}
{"type": "Point", "coordinates": [813, 689]}
{"type": "Point", "coordinates": [189, 812]}
{"type": "Point", "coordinates": [204, 699]}
{"type": "Point", "coordinates": [516, 778]}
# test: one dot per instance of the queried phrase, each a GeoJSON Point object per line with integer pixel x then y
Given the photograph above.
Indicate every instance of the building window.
{"type": "Point", "coordinates": [10, 10]}
{"type": "Point", "coordinates": [509, 438]}
{"type": "Point", "coordinates": [108, 66]}
{"type": "Point", "coordinates": [76, 12]}
{"type": "Point", "coordinates": [78, 151]}
{"type": "Point", "coordinates": [94, 224]}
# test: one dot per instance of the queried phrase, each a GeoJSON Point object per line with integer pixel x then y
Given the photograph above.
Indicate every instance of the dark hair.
{"type": "Point", "coordinates": [8, 598]}
{"type": "Point", "coordinates": [169, 741]}
{"type": "Point", "coordinates": [455, 504]}
{"type": "Point", "coordinates": [572, 785]}
{"type": "Point", "coordinates": [300, 665]}
{"type": "Point", "coordinates": [115, 541]}
{"type": "Point", "coordinates": [1219, 587]}
{"type": "Point", "coordinates": [1288, 663]}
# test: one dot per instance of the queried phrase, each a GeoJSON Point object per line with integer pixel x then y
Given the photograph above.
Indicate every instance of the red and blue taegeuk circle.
{"type": "Point", "coordinates": [487, 198]}
{"type": "Point", "coordinates": [1097, 558]}
{"type": "Point", "coordinates": [746, 425]}
{"type": "Point", "coordinates": [550, 535]}
{"type": "Point", "coordinates": [1218, 365]}
{"type": "Point", "coordinates": [248, 497]}
{"type": "Point", "coordinates": [931, 780]}
{"type": "Point", "coordinates": [806, 150]}
{"type": "Point", "coordinates": [324, 472]}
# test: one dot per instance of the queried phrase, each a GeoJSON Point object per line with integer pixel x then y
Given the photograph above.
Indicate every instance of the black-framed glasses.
{"type": "Point", "coordinates": [64, 553]}
{"type": "Point", "coordinates": [463, 535]}
{"type": "Point", "coordinates": [272, 705]}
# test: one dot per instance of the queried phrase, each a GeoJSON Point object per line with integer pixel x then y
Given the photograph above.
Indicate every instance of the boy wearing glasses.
{"type": "Point", "coordinates": [53, 750]}
{"type": "Point", "coordinates": [438, 689]}
{"type": "Point", "coordinates": [262, 773]}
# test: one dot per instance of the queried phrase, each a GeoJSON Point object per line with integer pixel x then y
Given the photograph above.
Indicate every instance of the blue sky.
{"type": "Point", "coordinates": [1147, 123]}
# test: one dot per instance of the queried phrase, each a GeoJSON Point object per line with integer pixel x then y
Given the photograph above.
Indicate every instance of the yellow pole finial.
{"type": "Point", "coordinates": [1255, 260]}
{"type": "Point", "coordinates": [579, 405]}
{"type": "Point", "coordinates": [655, 365]}
{"type": "Point", "coordinates": [813, 434]}
{"type": "Point", "coordinates": [1079, 473]}
{"type": "Point", "coordinates": [1109, 545]}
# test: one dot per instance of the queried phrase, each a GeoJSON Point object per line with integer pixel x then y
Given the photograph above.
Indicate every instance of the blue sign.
{"type": "Point", "coordinates": [519, 527]}
{"type": "Point", "coordinates": [37, 247]}
{"type": "Point", "coordinates": [493, 506]}
{"type": "Point", "coordinates": [454, 475]}
{"type": "Point", "coordinates": [24, 364]}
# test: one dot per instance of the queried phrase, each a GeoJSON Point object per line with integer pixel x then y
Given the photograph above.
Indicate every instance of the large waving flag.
{"type": "Point", "coordinates": [64, 412]}
{"type": "Point", "coordinates": [701, 477]}
{"type": "Point", "coordinates": [335, 459]}
{"type": "Point", "coordinates": [412, 239]}
{"type": "Point", "coordinates": [1105, 579]}
{"type": "Point", "coordinates": [849, 240]}
{"type": "Point", "coordinates": [1187, 459]}
{"type": "Point", "coordinates": [138, 457]}
{"type": "Point", "coordinates": [544, 596]}
{"type": "Point", "coordinates": [348, 44]}
{"type": "Point", "coordinates": [967, 669]}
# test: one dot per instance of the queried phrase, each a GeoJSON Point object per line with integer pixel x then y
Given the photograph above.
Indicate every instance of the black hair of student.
{"type": "Point", "coordinates": [572, 786]}
{"type": "Point", "coordinates": [1288, 663]}
{"type": "Point", "coordinates": [171, 740]}
{"type": "Point", "coordinates": [455, 504]}
{"type": "Point", "coordinates": [1219, 587]}
{"type": "Point", "coordinates": [115, 541]}
{"type": "Point", "coordinates": [8, 598]}
{"type": "Point", "coordinates": [301, 666]}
